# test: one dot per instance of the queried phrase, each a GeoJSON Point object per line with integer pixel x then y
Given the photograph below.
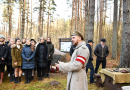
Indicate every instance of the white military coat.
{"type": "Point", "coordinates": [77, 78]}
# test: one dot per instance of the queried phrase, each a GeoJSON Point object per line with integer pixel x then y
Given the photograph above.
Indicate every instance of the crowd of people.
{"type": "Point", "coordinates": [25, 57]}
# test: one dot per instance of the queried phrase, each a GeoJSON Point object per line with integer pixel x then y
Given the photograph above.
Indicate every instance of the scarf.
{"type": "Point", "coordinates": [1, 43]}
{"type": "Point", "coordinates": [102, 45]}
{"type": "Point", "coordinates": [18, 46]}
{"type": "Point", "coordinates": [48, 42]}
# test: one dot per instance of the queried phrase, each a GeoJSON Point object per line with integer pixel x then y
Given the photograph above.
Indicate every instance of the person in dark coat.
{"type": "Point", "coordinates": [90, 64]}
{"type": "Point", "coordinates": [51, 51]}
{"type": "Point", "coordinates": [28, 54]}
{"type": "Point", "coordinates": [72, 49]}
{"type": "Point", "coordinates": [3, 56]}
{"type": "Point", "coordinates": [8, 68]}
{"type": "Point", "coordinates": [42, 58]}
{"type": "Point", "coordinates": [9, 59]}
{"type": "Point", "coordinates": [101, 51]}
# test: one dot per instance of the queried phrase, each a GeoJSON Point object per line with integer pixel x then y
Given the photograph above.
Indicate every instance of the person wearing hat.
{"type": "Point", "coordinates": [90, 64]}
{"type": "Point", "coordinates": [76, 79]}
{"type": "Point", "coordinates": [42, 58]}
{"type": "Point", "coordinates": [33, 42]}
{"type": "Point", "coordinates": [101, 51]}
{"type": "Point", "coordinates": [3, 56]}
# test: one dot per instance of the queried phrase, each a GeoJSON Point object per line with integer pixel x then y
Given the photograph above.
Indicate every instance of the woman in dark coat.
{"type": "Point", "coordinates": [28, 54]}
{"type": "Point", "coordinates": [9, 60]}
{"type": "Point", "coordinates": [3, 55]}
{"type": "Point", "coordinates": [41, 58]}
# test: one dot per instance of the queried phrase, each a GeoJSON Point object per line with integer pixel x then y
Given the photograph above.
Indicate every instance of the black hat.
{"type": "Point", "coordinates": [17, 39]}
{"type": "Point", "coordinates": [32, 40]}
{"type": "Point", "coordinates": [90, 41]}
{"type": "Point", "coordinates": [103, 40]}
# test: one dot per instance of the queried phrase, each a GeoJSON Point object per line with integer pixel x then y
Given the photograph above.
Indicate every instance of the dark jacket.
{"type": "Point", "coordinates": [3, 53]}
{"type": "Point", "coordinates": [72, 49]}
{"type": "Point", "coordinates": [27, 53]}
{"type": "Point", "coordinates": [51, 50]}
{"type": "Point", "coordinates": [9, 57]}
{"type": "Point", "coordinates": [16, 55]}
{"type": "Point", "coordinates": [42, 55]}
{"type": "Point", "coordinates": [90, 64]}
{"type": "Point", "coordinates": [100, 52]}
{"type": "Point", "coordinates": [7, 42]}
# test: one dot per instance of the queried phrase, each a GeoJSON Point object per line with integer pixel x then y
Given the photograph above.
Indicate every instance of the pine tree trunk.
{"type": "Point", "coordinates": [91, 20]}
{"type": "Point", "coordinates": [42, 18]}
{"type": "Point", "coordinates": [125, 49]}
{"type": "Point", "coordinates": [23, 20]}
{"type": "Point", "coordinates": [80, 25]}
{"type": "Point", "coordinates": [78, 17]}
{"type": "Point", "coordinates": [18, 28]}
{"type": "Point", "coordinates": [10, 17]}
{"type": "Point", "coordinates": [87, 20]}
{"type": "Point", "coordinates": [48, 19]}
{"type": "Point", "coordinates": [101, 19]}
{"type": "Point", "coordinates": [97, 40]}
{"type": "Point", "coordinates": [75, 14]}
{"type": "Point", "coordinates": [31, 22]}
{"type": "Point", "coordinates": [114, 44]}
{"type": "Point", "coordinates": [20, 24]}
{"type": "Point", "coordinates": [119, 29]}
{"type": "Point", "coordinates": [72, 16]}
{"type": "Point", "coordinates": [27, 21]}
{"type": "Point", "coordinates": [39, 23]}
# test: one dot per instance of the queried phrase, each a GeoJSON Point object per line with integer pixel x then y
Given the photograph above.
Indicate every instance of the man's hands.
{"type": "Point", "coordinates": [27, 59]}
{"type": "Point", "coordinates": [56, 64]}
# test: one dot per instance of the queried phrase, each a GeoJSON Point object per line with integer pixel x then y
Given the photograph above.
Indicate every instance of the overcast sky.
{"type": "Point", "coordinates": [62, 9]}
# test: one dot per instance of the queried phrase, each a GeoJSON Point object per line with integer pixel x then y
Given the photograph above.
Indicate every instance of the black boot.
{"type": "Point", "coordinates": [32, 78]}
{"type": "Point", "coordinates": [39, 79]}
{"type": "Point", "coordinates": [45, 76]}
{"type": "Point", "coordinates": [15, 80]}
{"type": "Point", "coordinates": [48, 76]}
{"type": "Point", "coordinates": [26, 81]}
{"type": "Point", "coordinates": [11, 78]}
{"type": "Point", "coordinates": [19, 80]}
{"type": "Point", "coordinates": [29, 80]}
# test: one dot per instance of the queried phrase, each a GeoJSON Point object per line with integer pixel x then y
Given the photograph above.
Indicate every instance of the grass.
{"type": "Point", "coordinates": [35, 84]}
{"type": "Point", "coordinates": [44, 85]}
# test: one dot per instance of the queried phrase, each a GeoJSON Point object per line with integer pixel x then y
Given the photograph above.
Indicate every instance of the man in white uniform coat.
{"type": "Point", "coordinates": [77, 78]}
